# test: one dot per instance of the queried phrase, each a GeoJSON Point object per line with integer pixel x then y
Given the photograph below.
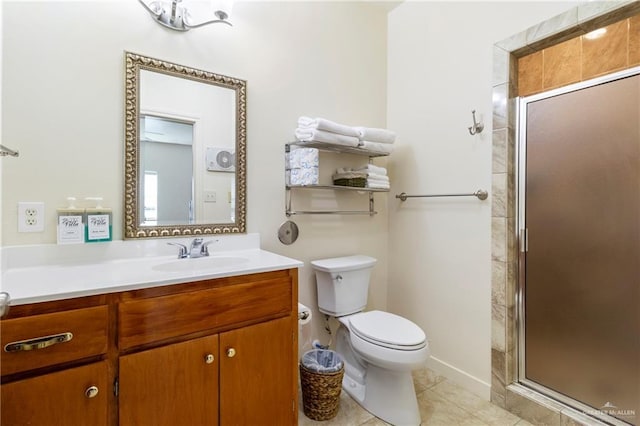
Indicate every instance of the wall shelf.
{"type": "Point", "coordinates": [289, 189]}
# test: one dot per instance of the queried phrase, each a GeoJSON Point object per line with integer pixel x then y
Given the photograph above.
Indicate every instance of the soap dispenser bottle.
{"type": "Point", "coordinates": [98, 222]}
{"type": "Point", "coordinates": [71, 223]}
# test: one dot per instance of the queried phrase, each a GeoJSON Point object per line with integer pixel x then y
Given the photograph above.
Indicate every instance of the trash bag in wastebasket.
{"type": "Point", "coordinates": [322, 361]}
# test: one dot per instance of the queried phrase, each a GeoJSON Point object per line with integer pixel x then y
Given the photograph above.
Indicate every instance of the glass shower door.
{"type": "Point", "coordinates": [580, 275]}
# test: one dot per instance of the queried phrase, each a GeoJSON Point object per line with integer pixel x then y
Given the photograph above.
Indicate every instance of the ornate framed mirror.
{"type": "Point", "coordinates": [185, 150]}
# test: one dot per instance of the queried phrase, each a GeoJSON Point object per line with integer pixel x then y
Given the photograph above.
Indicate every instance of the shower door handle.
{"type": "Point", "coordinates": [524, 240]}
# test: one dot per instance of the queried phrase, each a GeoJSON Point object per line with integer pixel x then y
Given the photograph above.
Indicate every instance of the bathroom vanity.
{"type": "Point", "coordinates": [196, 346]}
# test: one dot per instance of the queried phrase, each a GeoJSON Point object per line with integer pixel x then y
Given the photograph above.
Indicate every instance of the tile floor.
{"type": "Point", "coordinates": [442, 403]}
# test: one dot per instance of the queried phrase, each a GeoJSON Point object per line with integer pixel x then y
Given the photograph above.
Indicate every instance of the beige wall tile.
{"type": "Point", "coordinates": [499, 239]}
{"type": "Point", "coordinates": [606, 53]}
{"type": "Point", "coordinates": [561, 64]}
{"type": "Point", "coordinates": [524, 404]}
{"type": "Point", "coordinates": [499, 195]}
{"type": "Point", "coordinates": [498, 327]}
{"type": "Point", "coordinates": [498, 282]}
{"type": "Point", "coordinates": [500, 151]}
{"type": "Point", "coordinates": [634, 41]}
{"type": "Point", "coordinates": [500, 106]}
{"type": "Point", "coordinates": [530, 74]}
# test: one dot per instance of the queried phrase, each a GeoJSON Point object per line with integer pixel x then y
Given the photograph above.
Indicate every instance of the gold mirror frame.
{"type": "Point", "coordinates": [132, 227]}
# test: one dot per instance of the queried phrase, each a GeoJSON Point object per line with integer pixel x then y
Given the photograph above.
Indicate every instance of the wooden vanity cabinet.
{"type": "Point", "coordinates": [211, 352]}
{"type": "Point", "coordinates": [250, 338]}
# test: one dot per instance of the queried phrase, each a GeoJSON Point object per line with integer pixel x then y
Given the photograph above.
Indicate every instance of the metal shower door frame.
{"type": "Point", "coordinates": [520, 236]}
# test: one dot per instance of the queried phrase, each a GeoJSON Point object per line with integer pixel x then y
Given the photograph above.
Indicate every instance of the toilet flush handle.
{"type": "Point", "coordinates": [338, 278]}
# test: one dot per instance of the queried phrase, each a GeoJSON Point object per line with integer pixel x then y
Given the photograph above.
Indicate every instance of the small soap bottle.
{"type": "Point", "coordinates": [98, 222]}
{"type": "Point", "coordinates": [70, 223]}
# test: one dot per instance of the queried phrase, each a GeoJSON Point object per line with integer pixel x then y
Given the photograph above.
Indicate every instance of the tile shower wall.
{"type": "Point", "coordinates": [551, 54]}
{"type": "Point", "coordinates": [581, 58]}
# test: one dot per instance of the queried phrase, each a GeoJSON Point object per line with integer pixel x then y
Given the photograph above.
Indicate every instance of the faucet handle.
{"type": "Point", "coordinates": [182, 253]}
{"type": "Point", "coordinates": [204, 251]}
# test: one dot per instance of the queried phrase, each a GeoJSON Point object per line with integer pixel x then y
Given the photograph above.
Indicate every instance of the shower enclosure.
{"type": "Point", "coordinates": [579, 263]}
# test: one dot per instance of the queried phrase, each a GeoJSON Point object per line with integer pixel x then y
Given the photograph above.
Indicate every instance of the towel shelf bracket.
{"type": "Point", "coordinates": [481, 194]}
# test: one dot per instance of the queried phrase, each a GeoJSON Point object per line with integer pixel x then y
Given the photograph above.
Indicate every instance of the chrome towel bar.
{"type": "Point", "coordinates": [4, 151]}
{"type": "Point", "coordinates": [480, 193]}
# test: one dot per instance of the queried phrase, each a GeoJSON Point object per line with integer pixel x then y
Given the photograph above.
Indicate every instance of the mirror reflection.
{"type": "Point", "coordinates": [187, 150]}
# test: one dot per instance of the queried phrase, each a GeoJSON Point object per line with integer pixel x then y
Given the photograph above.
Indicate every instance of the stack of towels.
{"type": "Point", "coordinates": [323, 130]}
{"type": "Point", "coordinates": [370, 176]}
{"type": "Point", "coordinates": [378, 141]}
{"type": "Point", "coordinates": [301, 166]}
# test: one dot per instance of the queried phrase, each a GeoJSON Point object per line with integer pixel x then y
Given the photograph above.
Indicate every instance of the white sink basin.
{"type": "Point", "coordinates": [201, 263]}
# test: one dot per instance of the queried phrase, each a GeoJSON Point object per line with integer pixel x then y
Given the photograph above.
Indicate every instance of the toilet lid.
{"type": "Point", "coordinates": [387, 329]}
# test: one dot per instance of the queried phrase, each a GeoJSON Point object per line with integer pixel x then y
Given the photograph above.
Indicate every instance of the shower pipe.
{"type": "Point", "coordinates": [480, 193]}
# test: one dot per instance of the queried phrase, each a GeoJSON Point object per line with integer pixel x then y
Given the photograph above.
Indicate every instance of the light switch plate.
{"type": "Point", "coordinates": [209, 196]}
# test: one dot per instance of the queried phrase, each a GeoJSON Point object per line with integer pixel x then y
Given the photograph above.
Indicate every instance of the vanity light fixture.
{"type": "Point", "coordinates": [179, 15]}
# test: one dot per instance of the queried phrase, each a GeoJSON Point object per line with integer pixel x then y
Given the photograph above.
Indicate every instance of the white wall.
{"type": "Point", "coordinates": [1, 158]}
{"type": "Point", "coordinates": [63, 93]}
{"type": "Point", "coordinates": [439, 69]}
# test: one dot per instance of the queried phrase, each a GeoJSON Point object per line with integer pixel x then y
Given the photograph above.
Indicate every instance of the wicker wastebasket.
{"type": "Point", "coordinates": [321, 373]}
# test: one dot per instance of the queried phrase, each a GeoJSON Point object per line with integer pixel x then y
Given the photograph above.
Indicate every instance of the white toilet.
{"type": "Point", "coordinates": [379, 348]}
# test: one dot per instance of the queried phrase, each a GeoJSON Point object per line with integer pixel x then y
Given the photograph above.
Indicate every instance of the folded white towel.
{"type": "Point", "coordinates": [380, 148]}
{"type": "Point", "coordinates": [378, 185]}
{"type": "Point", "coordinates": [377, 178]}
{"type": "Point", "coordinates": [372, 168]}
{"type": "Point", "coordinates": [372, 134]}
{"type": "Point", "coordinates": [327, 125]}
{"type": "Point", "coordinates": [311, 134]}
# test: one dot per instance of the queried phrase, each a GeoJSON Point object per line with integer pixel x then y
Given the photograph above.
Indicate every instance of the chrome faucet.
{"type": "Point", "coordinates": [198, 248]}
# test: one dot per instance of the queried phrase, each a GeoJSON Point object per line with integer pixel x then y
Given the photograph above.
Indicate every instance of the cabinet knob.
{"type": "Point", "coordinates": [209, 358]}
{"type": "Point", "coordinates": [231, 352]}
{"type": "Point", "coordinates": [91, 392]}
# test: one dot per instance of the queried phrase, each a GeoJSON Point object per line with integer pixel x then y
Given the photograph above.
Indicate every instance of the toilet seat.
{"type": "Point", "coordinates": [388, 330]}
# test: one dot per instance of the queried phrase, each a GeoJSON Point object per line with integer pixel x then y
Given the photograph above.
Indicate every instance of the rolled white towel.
{"type": "Point", "coordinates": [372, 168]}
{"type": "Point", "coordinates": [372, 134]}
{"type": "Point", "coordinates": [377, 147]}
{"type": "Point", "coordinates": [311, 134]}
{"type": "Point", "coordinates": [327, 125]}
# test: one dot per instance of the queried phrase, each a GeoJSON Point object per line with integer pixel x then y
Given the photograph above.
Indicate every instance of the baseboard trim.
{"type": "Point", "coordinates": [466, 380]}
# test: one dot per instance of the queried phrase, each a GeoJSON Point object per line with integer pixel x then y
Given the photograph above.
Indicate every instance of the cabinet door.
{"type": "Point", "coordinates": [62, 398]}
{"type": "Point", "coordinates": [256, 374]}
{"type": "Point", "coordinates": [172, 385]}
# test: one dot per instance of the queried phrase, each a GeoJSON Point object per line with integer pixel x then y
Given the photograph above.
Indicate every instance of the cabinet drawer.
{"type": "Point", "coordinates": [88, 328]}
{"type": "Point", "coordinates": [158, 318]}
{"type": "Point", "coordinates": [59, 399]}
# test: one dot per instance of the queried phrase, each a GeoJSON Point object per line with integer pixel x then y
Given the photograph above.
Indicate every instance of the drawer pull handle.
{"type": "Point", "coordinates": [209, 359]}
{"type": "Point", "coordinates": [38, 342]}
{"type": "Point", "coordinates": [91, 392]}
{"type": "Point", "coordinates": [231, 352]}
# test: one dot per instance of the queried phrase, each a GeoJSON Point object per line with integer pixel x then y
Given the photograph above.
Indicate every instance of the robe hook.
{"type": "Point", "coordinates": [477, 127]}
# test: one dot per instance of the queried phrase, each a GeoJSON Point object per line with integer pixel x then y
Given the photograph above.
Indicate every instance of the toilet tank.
{"type": "Point", "coordinates": [343, 283]}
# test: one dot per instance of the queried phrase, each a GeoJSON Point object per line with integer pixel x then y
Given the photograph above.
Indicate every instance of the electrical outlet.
{"type": "Point", "coordinates": [30, 217]}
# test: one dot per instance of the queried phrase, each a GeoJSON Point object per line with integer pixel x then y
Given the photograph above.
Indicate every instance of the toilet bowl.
{"type": "Point", "coordinates": [380, 349]}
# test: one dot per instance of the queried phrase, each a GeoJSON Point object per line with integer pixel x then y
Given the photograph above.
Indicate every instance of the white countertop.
{"type": "Point", "coordinates": [42, 273]}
